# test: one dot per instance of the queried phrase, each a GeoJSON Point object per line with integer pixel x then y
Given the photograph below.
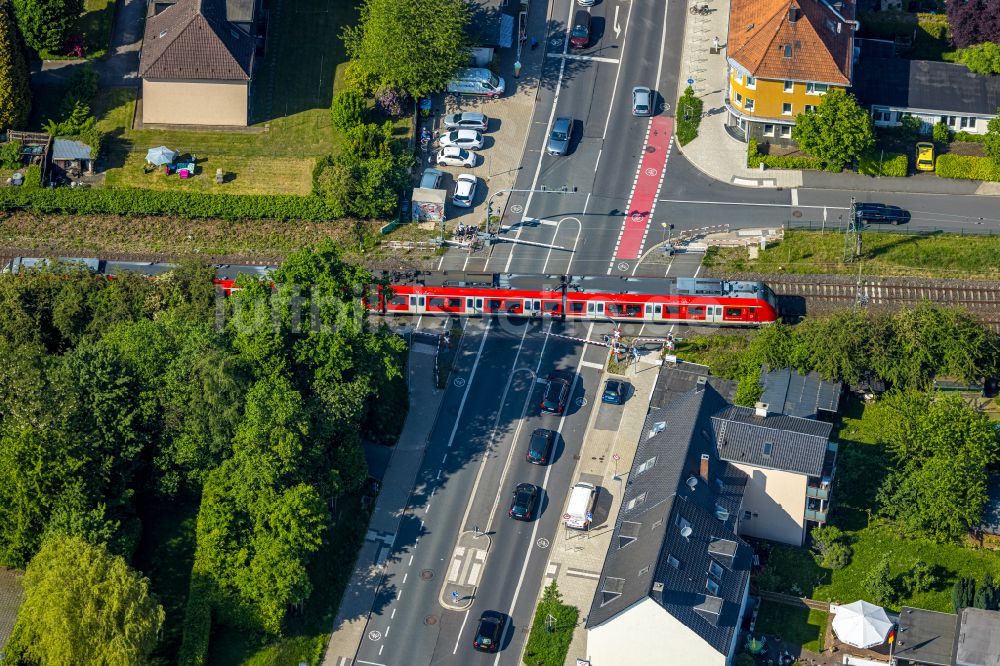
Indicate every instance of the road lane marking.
{"type": "Point", "coordinates": [747, 203]}
{"type": "Point", "coordinates": [387, 628]}
{"type": "Point", "coordinates": [795, 196]}
{"type": "Point", "coordinates": [404, 578]}
{"type": "Point", "coordinates": [591, 364]}
{"type": "Point", "coordinates": [372, 663]}
{"type": "Point", "coordinates": [468, 385]}
{"type": "Point", "coordinates": [579, 573]}
{"type": "Point", "coordinates": [460, 630]}
{"type": "Point", "coordinates": [574, 56]}
{"type": "Point", "coordinates": [548, 254]}
{"type": "Point", "coordinates": [380, 648]}
{"type": "Point", "coordinates": [392, 616]}
{"type": "Point", "coordinates": [411, 561]}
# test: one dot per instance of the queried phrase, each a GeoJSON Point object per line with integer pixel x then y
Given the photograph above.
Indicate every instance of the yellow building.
{"type": "Point", "coordinates": [783, 56]}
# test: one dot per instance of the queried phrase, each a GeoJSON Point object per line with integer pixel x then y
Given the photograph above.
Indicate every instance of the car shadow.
{"type": "Point", "coordinates": [602, 507]}
{"type": "Point", "coordinates": [558, 448]}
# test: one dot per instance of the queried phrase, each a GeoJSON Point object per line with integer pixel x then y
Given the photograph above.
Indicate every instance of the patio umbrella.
{"type": "Point", "coordinates": [861, 624]}
{"type": "Point", "coordinates": [756, 645]}
{"type": "Point", "coordinates": [160, 156]}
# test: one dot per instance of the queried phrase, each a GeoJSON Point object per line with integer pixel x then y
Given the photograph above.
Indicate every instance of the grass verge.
{"type": "Point", "coordinates": [935, 255]}
{"type": "Point", "coordinates": [551, 630]}
{"type": "Point", "coordinates": [798, 625]}
{"type": "Point", "coordinates": [688, 116]}
{"type": "Point", "coordinates": [94, 27]}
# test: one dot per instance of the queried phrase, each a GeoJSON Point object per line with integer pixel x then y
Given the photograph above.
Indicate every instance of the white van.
{"type": "Point", "coordinates": [581, 503]}
{"type": "Point", "coordinates": [476, 81]}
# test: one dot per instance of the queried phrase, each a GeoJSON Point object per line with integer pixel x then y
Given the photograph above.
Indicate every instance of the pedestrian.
{"type": "Point", "coordinates": [534, 43]}
{"type": "Point", "coordinates": [715, 43]}
{"type": "Point", "coordinates": [460, 230]}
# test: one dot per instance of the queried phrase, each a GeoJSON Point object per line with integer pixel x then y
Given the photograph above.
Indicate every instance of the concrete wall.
{"type": "Point", "coordinates": [195, 102]}
{"type": "Point", "coordinates": [646, 635]}
{"type": "Point", "coordinates": [777, 503]}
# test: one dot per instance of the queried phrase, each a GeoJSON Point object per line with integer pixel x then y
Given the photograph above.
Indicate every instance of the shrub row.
{"type": "Point", "coordinates": [965, 166]}
{"type": "Point", "coordinates": [754, 158]}
{"type": "Point", "coordinates": [970, 138]}
{"type": "Point", "coordinates": [892, 164]}
{"type": "Point", "coordinates": [688, 117]}
{"type": "Point", "coordinates": [134, 201]}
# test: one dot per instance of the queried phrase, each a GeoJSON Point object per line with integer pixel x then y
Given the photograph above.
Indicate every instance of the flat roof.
{"type": "Point", "coordinates": [926, 637]}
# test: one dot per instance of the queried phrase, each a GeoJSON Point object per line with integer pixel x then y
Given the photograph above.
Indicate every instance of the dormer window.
{"type": "Point", "coordinates": [635, 501]}
{"type": "Point", "coordinates": [673, 561]}
{"type": "Point", "coordinates": [715, 569]}
{"type": "Point", "coordinates": [766, 451]}
{"type": "Point", "coordinates": [627, 533]}
{"type": "Point", "coordinates": [788, 50]}
{"type": "Point", "coordinates": [712, 587]}
{"type": "Point", "coordinates": [611, 590]}
{"type": "Point", "coordinates": [645, 466]}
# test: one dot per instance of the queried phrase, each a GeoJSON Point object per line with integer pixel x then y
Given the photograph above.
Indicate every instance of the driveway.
{"type": "Point", "coordinates": [120, 68]}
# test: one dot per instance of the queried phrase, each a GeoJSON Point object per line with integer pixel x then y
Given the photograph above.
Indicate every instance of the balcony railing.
{"type": "Point", "coordinates": [818, 492]}
{"type": "Point", "coordinates": [816, 516]}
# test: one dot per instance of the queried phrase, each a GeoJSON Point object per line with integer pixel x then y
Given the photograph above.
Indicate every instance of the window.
{"type": "Point", "coordinates": [643, 571]}
{"type": "Point", "coordinates": [786, 109]}
{"type": "Point", "coordinates": [882, 115]}
{"type": "Point", "coordinates": [789, 86]}
{"type": "Point", "coordinates": [398, 300]}
{"type": "Point", "coordinates": [746, 515]}
{"type": "Point", "coordinates": [751, 82]}
{"type": "Point", "coordinates": [635, 501]}
{"type": "Point", "coordinates": [682, 522]}
{"type": "Point", "coordinates": [968, 122]}
{"type": "Point", "coordinates": [612, 589]}
{"type": "Point", "coordinates": [816, 88]}
{"type": "Point", "coordinates": [435, 302]}
{"type": "Point", "coordinates": [734, 313]}
{"type": "Point", "coordinates": [576, 308]}
{"type": "Point", "coordinates": [672, 310]}
{"type": "Point", "coordinates": [494, 304]}
{"type": "Point", "coordinates": [645, 466]}
{"type": "Point", "coordinates": [550, 306]}
{"type": "Point", "coordinates": [786, 131]}
{"type": "Point", "coordinates": [768, 447]}
{"type": "Point", "coordinates": [810, 108]}
{"type": "Point", "coordinates": [768, 130]}
{"type": "Point", "coordinates": [788, 50]}
{"type": "Point", "coordinates": [739, 99]}
{"type": "Point", "coordinates": [454, 302]}
{"type": "Point", "coordinates": [715, 569]}
{"type": "Point", "coordinates": [673, 561]}
{"type": "Point", "coordinates": [748, 105]}
{"type": "Point", "coordinates": [696, 311]}
{"type": "Point", "coordinates": [712, 587]}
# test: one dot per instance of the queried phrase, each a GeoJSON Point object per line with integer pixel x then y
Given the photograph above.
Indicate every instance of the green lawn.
{"type": "Point", "coordinates": [548, 641]}
{"type": "Point", "coordinates": [798, 625]}
{"type": "Point", "coordinates": [94, 25]}
{"type": "Point", "coordinates": [885, 254]}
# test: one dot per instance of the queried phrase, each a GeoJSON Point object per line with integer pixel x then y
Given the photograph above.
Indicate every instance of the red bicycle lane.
{"type": "Point", "coordinates": [647, 185]}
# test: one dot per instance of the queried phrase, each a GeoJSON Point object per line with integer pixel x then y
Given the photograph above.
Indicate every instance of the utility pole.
{"type": "Point", "coordinates": [852, 235]}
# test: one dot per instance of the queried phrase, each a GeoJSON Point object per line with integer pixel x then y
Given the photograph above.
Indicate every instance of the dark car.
{"type": "Point", "coordinates": [490, 631]}
{"type": "Point", "coordinates": [540, 446]}
{"type": "Point", "coordinates": [580, 35]}
{"type": "Point", "coordinates": [874, 213]}
{"type": "Point", "coordinates": [522, 504]}
{"type": "Point", "coordinates": [615, 392]}
{"type": "Point", "coordinates": [556, 394]}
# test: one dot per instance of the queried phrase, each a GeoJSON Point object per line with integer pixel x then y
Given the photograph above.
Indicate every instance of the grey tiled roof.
{"type": "Point", "coordinates": [659, 502]}
{"type": "Point", "coordinates": [775, 441]}
{"type": "Point", "coordinates": [677, 382]}
{"type": "Point", "coordinates": [191, 40]}
{"type": "Point", "coordinates": [926, 637]}
{"type": "Point", "coordinates": [787, 392]}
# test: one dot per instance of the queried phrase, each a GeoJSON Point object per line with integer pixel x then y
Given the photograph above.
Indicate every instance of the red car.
{"type": "Point", "coordinates": [579, 37]}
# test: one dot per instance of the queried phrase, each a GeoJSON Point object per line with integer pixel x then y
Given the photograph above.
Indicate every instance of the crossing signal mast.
{"type": "Point", "coordinates": [852, 235]}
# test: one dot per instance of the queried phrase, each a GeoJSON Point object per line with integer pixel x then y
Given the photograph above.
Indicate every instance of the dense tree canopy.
{"type": "Point", "coordinates": [411, 45]}
{"type": "Point", "coordinates": [973, 21]}
{"type": "Point", "coordinates": [45, 24]}
{"type": "Point", "coordinates": [15, 96]}
{"type": "Point", "coordinates": [839, 131]}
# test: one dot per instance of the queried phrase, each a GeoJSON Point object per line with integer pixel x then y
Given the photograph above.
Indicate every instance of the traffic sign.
{"type": "Point", "coordinates": [616, 457]}
{"type": "Point", "coordinates": [566, 516]}
{"type": "Point", "coordinates": [690, 82]}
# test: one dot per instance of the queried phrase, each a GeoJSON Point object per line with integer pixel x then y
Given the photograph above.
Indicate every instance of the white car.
{"type": "Point", "coordinates": [455, 156]}
{"type": "Point", "coordinates": [462, 138]}
{"type": "Point", "coordinates": [465, 190]}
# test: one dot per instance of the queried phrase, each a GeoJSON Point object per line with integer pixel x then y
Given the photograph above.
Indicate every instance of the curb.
{"type": "Point", "coordinates": [457, 597]}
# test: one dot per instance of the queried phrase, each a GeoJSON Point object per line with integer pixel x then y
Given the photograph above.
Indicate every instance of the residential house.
{"type": "Point", "coordinates": [931, 91]}
{"type": "Point", "coordinates": [783, 56]}
{"type": "Point", "coordinates": [197, 62]}
{"type": "Point", "coordinates": [925, 638]}
{"type": "Point", "coordinates": [676, 572]}
{"type": "Point", "coordinates": [807, 396]}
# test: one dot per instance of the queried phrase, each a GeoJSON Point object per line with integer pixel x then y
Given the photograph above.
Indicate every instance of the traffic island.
{"type": "Point", "coordinates": [465, 570]}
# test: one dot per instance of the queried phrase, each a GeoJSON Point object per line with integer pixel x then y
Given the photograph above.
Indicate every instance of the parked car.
{"type": "Point", "coordinates": [559, 137]}
{"type": "Point", "coordinates": [579, 511]}
{"type": "Point", "coordinates": [472, 120]}
{"type": "Point", "coordinates": [522, 504]}
{"type": "Point", "coordinates": [540, 446]}
{"type": "Point", "coordinates": [556, 393]}
{"type": "Point", "coordinates": [455, 156]}
{"type": "Point", "coordinates": [586, 3]}
{"type": "Point", "coordinates": [874, 213]}
{"type": "Point", "coordinates": [490, 631]}
{"type": "Point", "coordinates": [925, 156]}
{"type": "Point", "coordinates": [642, 101]}
{"type": "Point", "coordinates": [476, 81]}
{"type": "Point", "coordinates": [580, 35]}
{"type": "Point", "coordinates": [465, 190]}
{"type": "Point", "coordinates": [462, 138]}
{"type": "Point", "coordinates": [615, 392]}
{"type": "Point", "coordinates": [431, 178]}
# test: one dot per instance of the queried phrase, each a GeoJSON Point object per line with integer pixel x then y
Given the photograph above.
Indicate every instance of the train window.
{"type": "Point", "coordinates": [413, 300]}
{"type": "Point", "coordinates": [590, 307]}
{"type": "Point", "coordinates": [734, 313]}
{"type": "Point", "coordinates": [494, 304]}
{"type": "Point", "coordinates": [672, 310]}
{"type": "Point", "coordinates": [421, 301]}
{"type": "Point", "coordinates": [696, 311]}
{"type": "Point", "coordinates": [398, 300]}
{"type": "Point", "coordinates": [479, 303]}
{"type": "Point", "coordinates": [649, 309]}
{"type": "Point", "coordinates": [633, 310]}
{"type": "Point", "coordinates": [657, 309]}
{"type": "Point", "coordinates": [534, 305]}
{"type": "Point", "coordinates": [454, 302]}
{"type": "Point", "coordinates": [513, 306]}
{"type": "Point", "coordinates": [551, 306]}
{"type": "Point", "coordinates": [435, 302]}
{"type": "Point", "coordinates": [576, 308]}
{"type": "Point", "coordinates": [600, 308]}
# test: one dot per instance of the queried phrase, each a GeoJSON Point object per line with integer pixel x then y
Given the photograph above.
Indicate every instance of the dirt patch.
{"type": "Point", "coordinates": [10, 601]}
{"type": "Point", "coordinates": [781, 151]}
{"type": "Point", "coordinates": [970, 148]}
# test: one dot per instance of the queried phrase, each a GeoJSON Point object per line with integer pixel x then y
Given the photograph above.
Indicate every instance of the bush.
{"type": "Point", "coordinates": [688, 116]}
{"type": "Point", "coordinates": [754, 159]}
{"type": "Point", "coordinates": [391, 102]}
{"type": "Point", "coordinates": [831, 547]}
{"type": "Point", "coordinates": [197, 623]}
{"type": "Point", "coordinates": [877, 585]}
{"type": "Point", "coordinates": [969, 138]}
{"type": "Point", "coordinates": [964, 166]}
{"type": "Point", "coordinates": [135, 201]}
{"type": "Point", "coordinates": [357, 78]}
{"type": "Point", "coordinates": [348, 109]}
{"type": "Point", "coordinates": [549, 647]}
{"type": "Point", "coordinates": [921, 578]}
{"type": "Point", "coordinates": [10, 155]}
{"type": "Point", "coordinates": [889, 164]}
{"type": "Point", "coordinates": [32, 177]}
{"type": "Point", "coordinates": [941, 133]}
{"type": "Point", "coordinates": [982, 58]}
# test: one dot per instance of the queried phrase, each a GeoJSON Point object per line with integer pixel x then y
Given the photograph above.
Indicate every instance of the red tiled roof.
{"type": "Point", "coordinates": [821, 41]}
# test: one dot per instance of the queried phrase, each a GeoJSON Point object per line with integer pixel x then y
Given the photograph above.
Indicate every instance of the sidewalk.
{"type": "Point", "coordinates": [720, 156]}
{"type": "Point", "coordinates": [577, 557]}
{"type": "Point", "coordinates": [348, 628]}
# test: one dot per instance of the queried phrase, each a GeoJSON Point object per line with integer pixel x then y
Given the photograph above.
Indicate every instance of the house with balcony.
{"type": "Point", "coordinates": [783, 56]}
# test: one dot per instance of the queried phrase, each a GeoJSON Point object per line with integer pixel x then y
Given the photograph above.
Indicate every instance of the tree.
{"type": "Point", "coordinates": [348, 109]}
{"type": "Point", "coordinates": [83, 605]}
{"type": "Point", "coordinates": [941, 133]}
{"type": "Point", "coordinates": [986, 594]}
{"type": "Point", "coordinates": [45, 23]}
{"type": "Point", "coordinates": [991, 142]}
{"type": "Point", "coordinates": [15, 95]}
{"type": "Point", "coordinates": [982, 59]}
{"type": "Point", "coordinates": [412, 45]}
{"type": "Point", "coordinates": [830, 543]}
{"type": "Point", "coordinates": [963, 593]}
{"type": "Point", "coordinates": [877, 583]}
{"type": "Point", "coordinates": [973, 21]}
{"type": "Point", "coordinates": [838, 131]}
{"type": "Point", "coordinates": [922, 577]}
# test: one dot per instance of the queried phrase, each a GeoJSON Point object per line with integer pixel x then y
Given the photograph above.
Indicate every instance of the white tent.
{"type": "Point", "coordinates": [861, 624]}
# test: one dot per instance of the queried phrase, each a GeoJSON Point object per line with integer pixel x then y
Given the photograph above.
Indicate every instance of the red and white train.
{"type": "Point", "coordinates": [666, 300]}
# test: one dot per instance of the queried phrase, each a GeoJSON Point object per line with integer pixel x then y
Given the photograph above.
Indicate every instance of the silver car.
{"type": "Point", "coordinates": [463, 138]}
{"type": "Point", "coordinates": [586, 3]}
{"type": "Point", "coordinates": [465, 190]}
{"type": "Point", "coordinates": [431, 179]}
{"type": "Point", "coordinates": [455, 156]}
{"type": "Point", "coordinates": [562, 131]}
{"type": "Point", "coordinates": [642, 101]}
{"type": "Point", "coordinates": [466, 120]}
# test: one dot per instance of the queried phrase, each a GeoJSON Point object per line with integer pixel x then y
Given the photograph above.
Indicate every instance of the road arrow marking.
{"type": "Point", "coordinates": [618, 28]}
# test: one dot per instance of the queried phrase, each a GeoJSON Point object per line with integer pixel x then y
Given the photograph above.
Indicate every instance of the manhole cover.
{"type": "Point", "coordinates": [430, 620]}
{"type": "Point", "coordinates": [427, 574]}
{"type": "Point", "coordinates": [650, 149]}
{"type": "Point", "coordinates": [796, 213]}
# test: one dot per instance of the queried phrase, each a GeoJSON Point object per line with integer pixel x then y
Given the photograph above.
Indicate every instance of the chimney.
{"type": "Point", "coordinates": [704, 467]}
{"type": "Point", "coordinates": [700, 384]}
{"type": "Point", "coordinates": [760, 409]}
{"type": "Point", "coordinates": [658, 591]}
{"type": "Point", "coordinates": [793, 14]}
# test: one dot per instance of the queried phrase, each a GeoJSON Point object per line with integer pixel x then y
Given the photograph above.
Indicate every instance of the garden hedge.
{"type": "Point", "coordinates": [135, 201]}
{"type": "Point", "coordinates": [964, 166]}
{"type": "Point", "coordinates": [970, 138]}
{"type": "Point", "coordinates": [893, 164]}
{"type": "Point", "coordinates": [688, 116]}
{"type": "Point", "coordinates": [754, 159]}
